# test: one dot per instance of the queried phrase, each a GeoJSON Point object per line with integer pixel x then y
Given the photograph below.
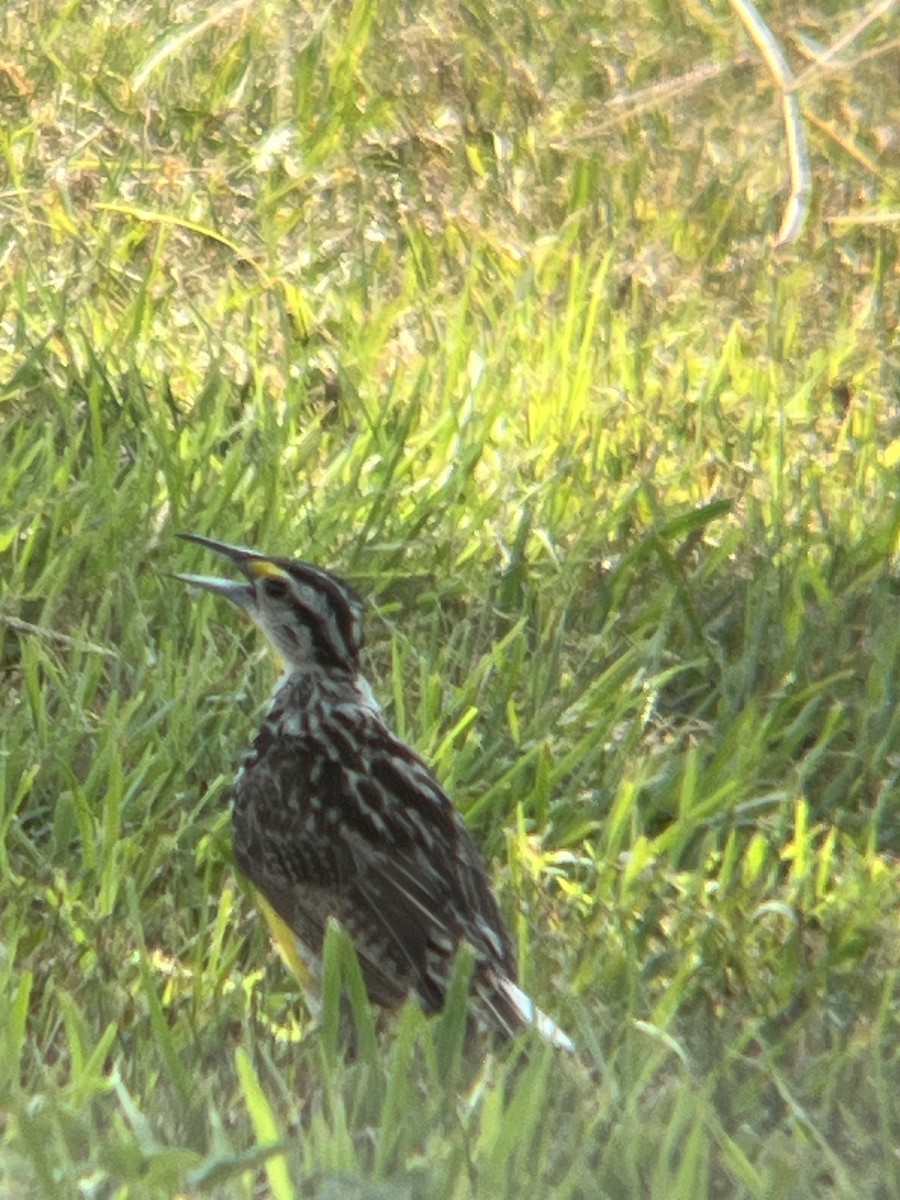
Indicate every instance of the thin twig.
{"type": "Point", "coordinates": [849, 145]}
{"type": "Point", "coordinates": [866, 218]}
{"type": "Point", "coordinates": [824, 60]}
{"type": "Point", "coordinates": [653, 93]}
{"type": "Point", "coordinates": [797, 209]}
{"type": "Point", "coordinates": [624, 106]}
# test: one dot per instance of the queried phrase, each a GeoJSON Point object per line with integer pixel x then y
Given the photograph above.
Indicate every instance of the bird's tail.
{"type": "Point", "coordinates": [513, 1010]}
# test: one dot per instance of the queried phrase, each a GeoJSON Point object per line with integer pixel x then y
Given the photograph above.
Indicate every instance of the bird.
{"type": "Point", "coordinates": [333, 816]}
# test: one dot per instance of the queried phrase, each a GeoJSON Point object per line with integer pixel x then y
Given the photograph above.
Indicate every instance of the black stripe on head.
{"type": "Point", "coordinates": [346, 604]}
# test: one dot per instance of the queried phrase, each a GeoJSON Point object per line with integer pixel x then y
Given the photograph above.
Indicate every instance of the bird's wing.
{"type": "Point", "coordinates": [416, 872]}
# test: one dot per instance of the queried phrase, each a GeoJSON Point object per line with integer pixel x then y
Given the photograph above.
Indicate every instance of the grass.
{"type": "Point", "coordinates": [474, 306]}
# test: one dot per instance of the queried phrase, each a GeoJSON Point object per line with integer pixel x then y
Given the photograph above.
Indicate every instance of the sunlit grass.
{"type": "Point", "coordinates": [461, 305]}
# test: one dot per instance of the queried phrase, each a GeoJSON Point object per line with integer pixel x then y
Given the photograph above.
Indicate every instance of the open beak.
{"type": "Point", "coordinates": [248, 562]}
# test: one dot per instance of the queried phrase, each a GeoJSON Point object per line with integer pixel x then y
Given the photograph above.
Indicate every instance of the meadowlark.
{"type": "Point", "coordinates": [333, 816]}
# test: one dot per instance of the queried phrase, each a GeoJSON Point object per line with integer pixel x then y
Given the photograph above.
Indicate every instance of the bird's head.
{"type": "Point", "coordinates": [310, 617]}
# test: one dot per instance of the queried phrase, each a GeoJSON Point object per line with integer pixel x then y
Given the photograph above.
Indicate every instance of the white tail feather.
{"type": "Point", "coordinates": [532, 1015]}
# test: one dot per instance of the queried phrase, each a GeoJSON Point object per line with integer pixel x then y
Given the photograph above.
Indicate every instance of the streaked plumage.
{"type": "Point", "coordinates": [334, 816]}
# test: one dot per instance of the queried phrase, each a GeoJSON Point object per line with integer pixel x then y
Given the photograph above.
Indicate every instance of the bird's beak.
{"type": "Point", "coordinates": [250, 562]}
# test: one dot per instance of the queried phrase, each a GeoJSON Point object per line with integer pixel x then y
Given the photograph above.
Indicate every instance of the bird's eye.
{"type": "Point", "coordinates": [275, 589]}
